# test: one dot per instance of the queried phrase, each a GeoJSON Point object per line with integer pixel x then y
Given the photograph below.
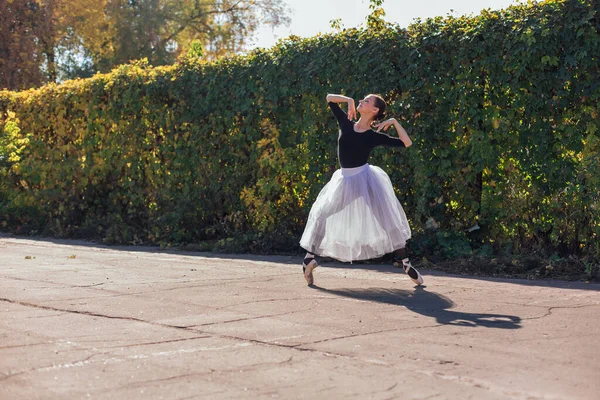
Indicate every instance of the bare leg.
{"type": "Point", "coordinates": [308, 265]}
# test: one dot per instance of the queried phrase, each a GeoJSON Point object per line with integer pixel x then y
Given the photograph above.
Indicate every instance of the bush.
{"type": "Point", "coordinates": [502, 109]}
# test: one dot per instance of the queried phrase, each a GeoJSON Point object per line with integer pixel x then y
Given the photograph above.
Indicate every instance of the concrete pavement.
{"type": "Point", "coordinates": [79, 320]}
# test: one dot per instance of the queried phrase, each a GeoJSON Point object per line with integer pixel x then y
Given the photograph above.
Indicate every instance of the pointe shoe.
{"type": "Point", "coordinates": [308, 271]}
{"type": "Point", "coordinates": [412, 272]}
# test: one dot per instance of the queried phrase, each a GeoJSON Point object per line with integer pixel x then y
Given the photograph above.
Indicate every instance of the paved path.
{"type": "Point", "coordinates": [88, 321]}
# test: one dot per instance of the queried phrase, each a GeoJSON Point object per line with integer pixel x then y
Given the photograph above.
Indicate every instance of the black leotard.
{"type": "Point", "coordinates": [354, 147]}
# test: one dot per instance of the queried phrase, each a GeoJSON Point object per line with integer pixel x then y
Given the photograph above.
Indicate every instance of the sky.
{"type": "Point", "coordinates": [310, 17]}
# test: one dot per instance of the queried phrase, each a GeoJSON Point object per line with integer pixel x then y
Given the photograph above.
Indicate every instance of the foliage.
{"type": "Point", "coordinates": [20, 52]}
{"type": "Point", "coordinates": [502, 109]}
{"type": "Point", "coordinates": [375, 19]}
{"type": "Point", "coordinates": [162, 30]}
{"type": "Point", "coordinates": [52, 40]}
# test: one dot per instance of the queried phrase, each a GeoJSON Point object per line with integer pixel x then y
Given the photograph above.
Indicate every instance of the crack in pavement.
{"type": "Point", "coordinates": [109, 293]}
{"type": "Point", "coordinates": [113, 360]}
{"type": "Point", "coordinates": [79, 363]}
{"type": "Point", "coordinates": [391, 387]}
{"type": "Point", "coordinates": [298, 347]}
{"type": "Point", "coordinates": [346, 337]}
{"type": "Point", "coordinates": [246, 319]}
{"type": "Point", "coordinates": [550, 309]}
{"type": "Point", "coordinates": [431, 397]}
{"type": "Point", "coordinates": [212, 284]}
{"type": "Point", "coordinates": [46, 316]}
{"type": "Point", "coordinates": [371, 333]}
{"type": "Point", "coordinates": [16, 346]}
{"type": "Point", "coordinates": [570, 337]}
{"type": "Point", "coordinates": [272, 300]}
{"type": "Point", "coordinates": [62, 285]}
{"type": "Point", "coordinates": [485, 385]}
{"type": "Point", "coordinates": [152, 343]}
{"type": "Point", "coordinates": [162, 325]}
{"type": "Point", "coordinates": [92, 285]}
{"type": "Point", "coordinates": [136, 295]}
{"type": "Point", "coordinates": [153, 381]}
{"type": "Point", "coordinates": [247, 341]}
{"type": "Point", "coordinates": [200, 374]}
{"type": "Point", "coordinates": [89, 313]}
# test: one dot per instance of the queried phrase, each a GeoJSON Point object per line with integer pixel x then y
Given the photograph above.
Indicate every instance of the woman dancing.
{"type": "Point", "coordinates": [356, 215]}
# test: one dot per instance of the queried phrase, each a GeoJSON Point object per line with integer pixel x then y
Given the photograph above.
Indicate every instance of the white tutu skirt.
{"type": "Point", "coordinates": [356, 217]}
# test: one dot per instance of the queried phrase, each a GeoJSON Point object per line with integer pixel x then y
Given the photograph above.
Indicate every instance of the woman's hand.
{"type": "Point", "coordinates": [401, 132]}
{"type": "Point", "coordinates": [386, 124]}
{"type": "Point", "coordinates": [351, 110]}
{"type": "Point", "coordinates": [338, 98]}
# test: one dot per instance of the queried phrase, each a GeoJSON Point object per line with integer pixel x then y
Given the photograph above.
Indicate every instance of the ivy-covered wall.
{"type": "Point", "coordinates": [502, 108]}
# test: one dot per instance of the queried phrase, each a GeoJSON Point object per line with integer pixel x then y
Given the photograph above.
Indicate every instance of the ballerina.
{"type": "Point", "coordinates": [357, 216]}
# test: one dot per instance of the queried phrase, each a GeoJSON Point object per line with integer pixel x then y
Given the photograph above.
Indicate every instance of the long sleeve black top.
{"type": "Point", "coordinates": [354, 147]}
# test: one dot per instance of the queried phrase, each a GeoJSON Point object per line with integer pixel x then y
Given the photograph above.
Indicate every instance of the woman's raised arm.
{"type": "Point", "coordinates": [401, 131]}
{"type": "Point", "coordinates": [338, 98]}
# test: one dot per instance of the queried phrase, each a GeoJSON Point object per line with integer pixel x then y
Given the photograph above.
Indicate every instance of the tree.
{"type": "Point", "coordinates": [375, 19]}
{"type": "Point", "coordinates": [51, 40]}
{"type": "Point", "coordinates": [20, 52]}
{"type": "Point", "coordinates": [83, 33]}
{"type": "Point", "coordinates": [161, 30]}
{"type": "Point", "coordinates": [44, 41]}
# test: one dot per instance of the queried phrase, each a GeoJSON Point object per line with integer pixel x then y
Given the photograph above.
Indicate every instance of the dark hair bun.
{"type": "Point", "coordinates": [379, 103]}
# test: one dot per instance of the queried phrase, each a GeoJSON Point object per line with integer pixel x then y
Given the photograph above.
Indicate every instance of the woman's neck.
{"type": "Point", "coordinates": [363, 124]}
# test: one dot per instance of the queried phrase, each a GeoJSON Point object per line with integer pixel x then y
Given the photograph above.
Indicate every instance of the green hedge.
{"type": "Point", "coordinates": [502, 109]}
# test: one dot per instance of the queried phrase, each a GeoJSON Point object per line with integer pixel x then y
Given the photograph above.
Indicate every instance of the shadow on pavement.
{"type": "Point", "coordinates": [389, 269]}
{"type": "Point", "coordinates": [280, 259]}
{"type": "Point", "coordinates": [430, 304]}
{"type": "Point", "coordinates": [550, 283]}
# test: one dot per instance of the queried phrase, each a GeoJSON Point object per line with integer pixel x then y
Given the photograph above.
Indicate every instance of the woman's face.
{"type": "Point", "coordinates": [366, 106]}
